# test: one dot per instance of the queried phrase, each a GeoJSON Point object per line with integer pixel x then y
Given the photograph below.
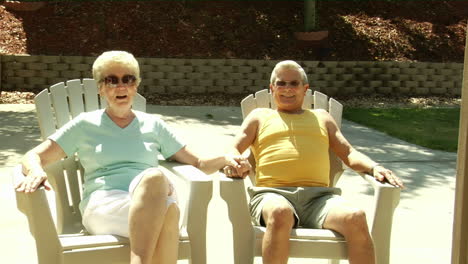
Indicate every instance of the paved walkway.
{"type": "Point", "coordinates": [422, 229]}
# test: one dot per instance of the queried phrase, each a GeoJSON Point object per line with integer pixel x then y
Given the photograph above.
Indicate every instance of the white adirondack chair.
{"type": "Point", "coordinates": [66, 240]}
{"type": "Point", "coordinates": [305, 243]}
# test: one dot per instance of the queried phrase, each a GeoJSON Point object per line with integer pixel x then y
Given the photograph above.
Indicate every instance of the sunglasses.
{"type": "Point", "coordinates": [285, 83]}
{"type": "Point", "coordinates": [112, 81]}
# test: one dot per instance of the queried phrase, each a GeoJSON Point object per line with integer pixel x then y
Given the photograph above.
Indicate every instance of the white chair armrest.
{"type": "Point", "coordinates": [41, 224]}
{"type": "Point", "coordinates": [201, 190]}
{"type": "Point", "coordinates": [233, 192]}
{"type": "Point", "coordinates": [387, 198]}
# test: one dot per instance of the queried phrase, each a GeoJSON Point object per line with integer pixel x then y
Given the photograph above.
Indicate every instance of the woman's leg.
{"type": "Point", "coordinates": [147, 212]}
{"type": "Point", "coordinates": [168, 243]}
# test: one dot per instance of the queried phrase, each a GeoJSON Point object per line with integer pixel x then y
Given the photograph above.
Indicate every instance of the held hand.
{"type": "Point", "coordinates": [238, 167]}
{"type": "Point", "coordinates": [32, 181]}
{"type": "Point", "coordinates": [382, 174]}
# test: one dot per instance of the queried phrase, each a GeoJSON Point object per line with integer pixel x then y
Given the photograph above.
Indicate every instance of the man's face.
{"type": "Point", "coordinates": [288, 90]}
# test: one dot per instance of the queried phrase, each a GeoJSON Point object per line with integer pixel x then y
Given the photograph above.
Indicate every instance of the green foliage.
{"type": "Point", "coordinates": [435, 128]}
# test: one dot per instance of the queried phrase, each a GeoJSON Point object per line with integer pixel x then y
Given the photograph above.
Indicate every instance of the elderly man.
{"type": "Point", "coordinates": [290, 145]}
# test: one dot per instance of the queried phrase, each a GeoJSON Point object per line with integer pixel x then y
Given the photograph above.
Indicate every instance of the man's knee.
{"type": "Point", "coordinates": [281, 216]}
{"type": "Point", "coordinates": [355, 223]}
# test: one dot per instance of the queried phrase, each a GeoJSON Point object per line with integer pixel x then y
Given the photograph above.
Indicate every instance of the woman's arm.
{"type": "Point", "coordinates": [34, 162]}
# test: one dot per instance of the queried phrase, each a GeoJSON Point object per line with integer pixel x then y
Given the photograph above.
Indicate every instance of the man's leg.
{"type": "Point", "coordinates": [168, 243]}
{"type": "Point", "coordinates": [279, 219]}
{"type": "Point", "coordinates": [352, 224]}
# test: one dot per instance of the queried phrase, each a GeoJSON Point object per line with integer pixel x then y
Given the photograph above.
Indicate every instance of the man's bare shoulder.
{"type": "Point", "coordinates": [258, 113]}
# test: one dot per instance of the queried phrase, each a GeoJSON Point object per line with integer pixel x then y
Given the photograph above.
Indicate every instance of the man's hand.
{"type": "Point", "coordinates": [382, 174]}
{"type": "Point", "coordinates": [240, 169]}
{"type": "Point", "coordinates": [32, 181]}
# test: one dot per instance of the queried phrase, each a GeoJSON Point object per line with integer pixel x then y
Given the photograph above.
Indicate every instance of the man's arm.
{"type": "Point", "coordinates": [352, 157]}
{"type": "Point", "coordinates": [243, 140]}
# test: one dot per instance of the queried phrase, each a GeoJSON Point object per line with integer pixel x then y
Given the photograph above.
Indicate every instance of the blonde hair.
{"type": "Point", "coordinates": [288, 64]}
{"type": "Point", "coordinates": [113, 57]}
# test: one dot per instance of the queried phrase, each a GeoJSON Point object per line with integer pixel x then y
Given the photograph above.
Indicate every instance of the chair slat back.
{"type": "Point", "coordinates": [55, 107]}
{"type": "Point", "coordinates": [318, 100]}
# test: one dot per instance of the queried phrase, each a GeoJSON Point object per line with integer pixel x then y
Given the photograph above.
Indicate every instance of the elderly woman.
{"type": "Point", "coordinates": [124, 191]}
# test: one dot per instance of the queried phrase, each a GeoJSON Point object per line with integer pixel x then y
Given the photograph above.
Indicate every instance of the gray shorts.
{"type": "Point", "coordinates": [309, 204]}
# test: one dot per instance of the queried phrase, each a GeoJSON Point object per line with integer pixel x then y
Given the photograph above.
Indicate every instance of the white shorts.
{"type": "Point", "coordinates": [107, 210]}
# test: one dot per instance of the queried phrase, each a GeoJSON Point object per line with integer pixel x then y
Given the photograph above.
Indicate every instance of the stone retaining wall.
{"type": "Point", "coordinates": [159, 75]}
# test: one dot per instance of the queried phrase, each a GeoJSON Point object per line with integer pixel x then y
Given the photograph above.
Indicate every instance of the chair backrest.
{"type": "Point", "coordinates": [55, 107]}
{"type": "Point", "coordinates": [317, 100]}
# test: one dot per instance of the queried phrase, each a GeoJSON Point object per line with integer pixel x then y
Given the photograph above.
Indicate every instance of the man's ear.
{"type": "Point", "coordinates": [307, 86]}
{"type": "Point", "coordinates": [271, 88]}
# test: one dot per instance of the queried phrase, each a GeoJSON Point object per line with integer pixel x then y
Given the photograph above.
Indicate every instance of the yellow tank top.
{"type": "Point", "coordinates": [291, 150]}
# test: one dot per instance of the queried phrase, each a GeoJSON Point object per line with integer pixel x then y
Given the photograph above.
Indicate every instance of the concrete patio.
{"type": "Point", "coordinates": [422, 228]}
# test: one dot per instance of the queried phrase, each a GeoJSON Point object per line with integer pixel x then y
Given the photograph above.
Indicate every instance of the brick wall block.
{"type": "Point", "coordinates": [205, 69]}
{"type": "Point", "coordinates": [198, 62]}
{"type": "Point", "coordinates": [159, 89]}
{"type": "Point", "coordinates": [156, 61]}
{"type": "Point", "coordinates": [384, 90]}
{"type": "Point", "coordinates": [411, 84]}
{"type": "Point", "coordinates": [244, 69]}
{"type": "Point", "coordinates": [153, 75]}
{"type": "Point", "coordinates": [314, 77]}
{"type": "Point", "coordinates": [236, 62]}
{"type": "Point", "coordinates": [198, 89]}
{"type": "Point", "coordinates": [366, 90]}
{"type": "Point", "coordinates": [13, 65]}
{"type": "Point", "coordinates": [375, 71]}
{"type": "Point", "coordinates": [15, 80]}
{"type": "Point", "coordinates": [73, 59]}
{"type": "Point", "coordinates": [164, 82]}
{"type": "Point", "coordinates": [255, 63]}
{"type": "Point", "coordinates": [347, 90]}
{"type": "Point", "coordinates": [89, 60]}
{"type": "Point", "coordinates": [49, 59]}
{"type": "Point", "coordinates": [420, 90]}
{"type": "Point", "coordinates": [71, 74]}
{"type": "Point", "coordinates": [358, 70]}
{"type": "Point", "coordinates": [384, 77]}
{"type": "Point", "coordinates": [437, 78]}
{"type": "Point", "coordinates": [224, 82]}
{"type": "Point", "coordinates": [262, 83]}
{"type": "Point", "coordinates": [446, 84]}
{"type": "Point", "coordinates": [394, 83]}
{"type": "Point", "coordinates": [393, 71]}
{"type": "Point", "coordinates": [8, 58]}
{"type": "Point", "coordinates": [253, 88]}
{"type": "Point", "coordinates": [26, 58]}
{"type": "Point", "coordinates": [215, 75]}
{"type": "Point", "coordinates": [245, 82]}
{"type": "Point", "coordinates": [184, 68]}
{"type": "Point", "coordinates": [80, 67]}
{"type": "Point", "coordinates": [428, 84]}
{"type": "Point", "coordinates": [328, 77]}
{"type": "Point", "coordinates": [338, 70]}
{"type": "Point", "coordinates": [402, 77]}
{"type": "Point", "coordinates": [36, 66]}
{"type": "Point", "coordinates": [264, 69]}
{"type": "Point", "coordinates": [375, 84]}
{"type": "Point", "coordinates": [338, 84]}
{"type": "Point", "coordinates": [36, 81]}
{"type": "Point", "coordinates": [55, 80]}
{"type": "Point", "coordinates": [366, 77]}
{"type": "Point", "coordinates": [438, 90]}
{"type": "Point", "coordinates": [402, 90]}
{"type": "Point", "coordinates": [224, 68]}
{"type": "Point", "coordinates": [176, 89]}
{"type": "Point", "coordinates": [184, 82]}
{"type": "Point", "coordinates": [320, 70]}
{"type": "Point", "coordinates": [330, 91]}
{"type": "Point", "coordinates": [165, 68]}
{"type": "Point", "coordinates": [176, 62]}
{"type": "Point", "coordinates": [194, 75]}
{"type": "Point", "coordinates": [454, 91]}
{"type": "Point", "coordinates": [147, 68]}
{"type": "Point", "coordinates": [59, 66]}
{"type": "Point", "coordinates": [175, 75]}
{"type": "Point", "coordinates": [217, 62]}
{"type": "Point", "coordinates": [418, 77]}
{"type": "Point", "coordinates": [25, 73]}
{"type": "Point", "coordinates": [203, 82]}
{"type": "Point", "coordinates": [235, 89]}
{"type": "Point", "coordinates": [239, 76]}
{"type": "Point", "coordinates": [214, 89]}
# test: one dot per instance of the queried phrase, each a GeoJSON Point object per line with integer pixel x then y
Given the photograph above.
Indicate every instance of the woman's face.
{"type": "Point", "coordinates": [119, 86]}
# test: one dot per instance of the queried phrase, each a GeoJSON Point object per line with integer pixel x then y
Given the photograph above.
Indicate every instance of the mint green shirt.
{"type": "Point", "coordinates": [112, 156]}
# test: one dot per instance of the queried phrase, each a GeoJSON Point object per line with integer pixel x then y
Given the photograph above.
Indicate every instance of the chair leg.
{"type": "Point", "coordinates": [334, 261]}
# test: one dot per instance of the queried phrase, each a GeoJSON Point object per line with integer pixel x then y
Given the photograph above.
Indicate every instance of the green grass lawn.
{"type": "Point", "coordinates": [435, 128]}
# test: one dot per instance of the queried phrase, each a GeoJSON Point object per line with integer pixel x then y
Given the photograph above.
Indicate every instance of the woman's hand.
{"type": "Point", "coordinates": [32, 181]}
